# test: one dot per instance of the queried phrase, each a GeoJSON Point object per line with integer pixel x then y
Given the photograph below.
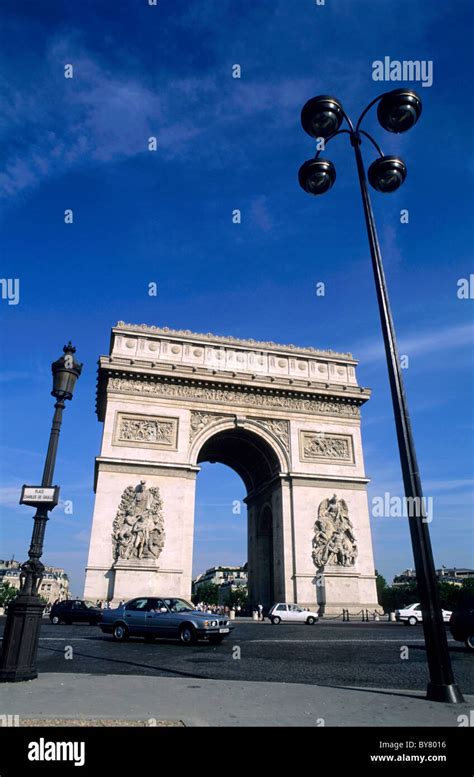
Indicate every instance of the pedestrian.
{"type": "Point", "coordinates": [260, 612]}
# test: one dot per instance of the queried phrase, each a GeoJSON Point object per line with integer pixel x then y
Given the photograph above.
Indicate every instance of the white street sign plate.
{"type": "Point", "coordinates": [39, 495]}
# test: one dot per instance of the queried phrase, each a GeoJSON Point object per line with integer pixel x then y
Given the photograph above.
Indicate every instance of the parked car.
{"type": "Point", "coordinates": [412, 614]}
{"type": "Point", "coordinates": [75, 611]}
{"type": "Point", "coordinates": [291, 613]}
{"type": "Point", "coordinates": [166, 617]}
{"type": "Point", "coordinates": [461, 624]}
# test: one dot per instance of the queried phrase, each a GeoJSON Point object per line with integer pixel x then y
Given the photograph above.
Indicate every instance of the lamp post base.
{"type": "Point", "coordinates": [20, 640]}
{"type": "Point", "coordinates": [450, 694]}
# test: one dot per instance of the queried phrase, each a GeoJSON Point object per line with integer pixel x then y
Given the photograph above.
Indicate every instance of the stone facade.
{"type": "Point", "coordinates": [55, 583]}
{"type": "Point", "coordinates": [286, 419]}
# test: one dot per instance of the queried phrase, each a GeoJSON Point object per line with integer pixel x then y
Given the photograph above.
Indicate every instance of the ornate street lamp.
{"type": "Point", "coordinates": [21, 636]}
{"type": "Point", "coordinates": [398, 111]}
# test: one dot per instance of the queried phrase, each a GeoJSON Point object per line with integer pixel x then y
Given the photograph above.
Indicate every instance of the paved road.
{"type": "Point", "coordinates": [329, 653]}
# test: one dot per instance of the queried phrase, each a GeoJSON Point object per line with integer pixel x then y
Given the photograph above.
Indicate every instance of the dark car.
{"type": "Point", "coordinates": [461, 623]}
{"type": "Point", "coordinates": [75, 611]}
{"type": "Point", "coordinates": [166, 617]}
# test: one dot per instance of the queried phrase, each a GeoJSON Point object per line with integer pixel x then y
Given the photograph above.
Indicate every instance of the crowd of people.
{"type": "Point", "coordinates": [215, 609]}
{"type": "Point", "coordinates": [224, 609]}
{"type": "Point", "coordinates": [107, 605]}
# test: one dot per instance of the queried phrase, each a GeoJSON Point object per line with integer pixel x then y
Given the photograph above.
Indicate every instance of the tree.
{"type": "Point", "coordinates": [207, 593]}
{"type": "Point", "coordinates": [7, 594]}
{"type": "Point", "coordinates": [381, 584]}
{"type": "Point", "coordinates": [395, 597]}
{"type": "Point", "coordinates": [448, 594]}
{"type": "Point", "coordinates": [238, 597]}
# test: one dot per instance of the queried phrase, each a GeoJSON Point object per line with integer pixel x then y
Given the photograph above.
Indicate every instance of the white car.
{"type": "Point", "coordinates": [291, 613]}
{"type": "Point", "coordinates": [412, 614]}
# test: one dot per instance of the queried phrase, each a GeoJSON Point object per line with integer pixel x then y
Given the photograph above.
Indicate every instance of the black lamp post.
{"type": "Point", "coordinates": [20, 641]}
{"type": "Point", "coordinates": [398, 111]}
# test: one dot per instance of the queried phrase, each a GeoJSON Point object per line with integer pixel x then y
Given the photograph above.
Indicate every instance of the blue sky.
{"type": "Point", "coordinates": [166, 216]}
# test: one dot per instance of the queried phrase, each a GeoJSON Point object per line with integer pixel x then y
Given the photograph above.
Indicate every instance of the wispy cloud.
{"type": "Point", "coordinates": [99, 117]}
{"type": "Point", "coordinates": [7, 375]}
{"type": "Point", "coordinates": [10, 496]}
{"type": "Point", "coordinates": [420, 344]}
{"type": "Point", "coordinates": [449, 485]}
{"type": "Point", "coordinates": [260, 213]}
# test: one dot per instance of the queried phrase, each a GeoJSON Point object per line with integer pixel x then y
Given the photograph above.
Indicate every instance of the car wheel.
{"type": "Point", "coordinates": [412, 620]}
{"type": "Point", "coordinates": [276, 620]}
{"type": "Point", "coordinates": [216, 639]}
{"type": "Point", "coordinates": [187, 634]}
{"type": "Point", "coordinates": [469, 642]}
{"type": "Point", "coordinates": [120, 632]}
{"type": "Point", "coordinates": [310, 620]}
{"type": "Point", "coordinates": [55, 620]}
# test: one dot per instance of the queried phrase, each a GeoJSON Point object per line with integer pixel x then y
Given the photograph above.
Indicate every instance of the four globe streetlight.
{"type": "Point", "coordinates": [397, 111]}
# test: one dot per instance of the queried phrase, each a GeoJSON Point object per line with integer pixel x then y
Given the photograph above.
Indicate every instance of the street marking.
{"type": "Point", "coordinates": [246, 641]}
{"type": "Point", "coordinates": [347, 641]}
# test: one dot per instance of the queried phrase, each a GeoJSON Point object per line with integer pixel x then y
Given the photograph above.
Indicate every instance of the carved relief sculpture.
{"type": "Point", "coordinates": [280, 429]}
{"type": "Point", "coordinates": [320, 446]}
{"type": "Point", "coordinates": [138, 528]}
{"type": "Point", "coordinates": [334, 541]}
{"type": "Point", "coordinates": [145, 431]}
{"type": "Point", "coordinates": [164, 389]}
{"type": "Point", "coordinates": [200, 421]}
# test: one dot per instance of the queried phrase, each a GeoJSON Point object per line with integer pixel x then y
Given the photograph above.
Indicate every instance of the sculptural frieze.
{"type": "Point", "coordinates": [320, 446]}
{"type": "Point", "coordinates": [143, 429]}
{"type": "Point", "coordinates": [226, 395]}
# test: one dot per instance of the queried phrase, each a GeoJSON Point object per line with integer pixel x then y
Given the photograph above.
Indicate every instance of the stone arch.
{"type": "Point", "coordinates": [257, 445]}
{"type": "Point", "coordinates": [286, 418]}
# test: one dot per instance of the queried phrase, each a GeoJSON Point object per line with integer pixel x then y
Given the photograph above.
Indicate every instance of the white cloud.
{"type": "Point", "coordinates": [10, 496]}
{"type": "Point", "coordinates": [98, 117]}
{"type": "Point", "coordinates": [419, 344]}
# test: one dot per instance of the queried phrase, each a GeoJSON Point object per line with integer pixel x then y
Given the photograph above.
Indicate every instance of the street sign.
{"type": "Point", "coordinates": [37, 496]}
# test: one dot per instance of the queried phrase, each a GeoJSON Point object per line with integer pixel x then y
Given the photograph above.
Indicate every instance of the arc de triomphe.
{"type": "Point", "coordinates": [286, 419]}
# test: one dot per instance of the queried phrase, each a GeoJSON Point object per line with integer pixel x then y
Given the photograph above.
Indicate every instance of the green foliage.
{"type": "Point", "coordinates": [238, 597]}
{"type": "Point", "coordinates": [381, 584]}
{"type": "Point", "coordinates": [396, 597]}
{"type": "Point", "coordinates": [8, 592]}
{"type": "Point", "coordinates": [207, 593]}
{"type": "Point", "coordinates": [449, 595]}
{"type": "Point", "coordinates": [468, 587]}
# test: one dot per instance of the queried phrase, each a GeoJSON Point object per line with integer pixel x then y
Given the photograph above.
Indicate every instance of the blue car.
{"type": "Point", "coordinates": [168, 618]}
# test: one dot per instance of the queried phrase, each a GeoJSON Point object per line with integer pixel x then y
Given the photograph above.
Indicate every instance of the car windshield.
{"type": "Point", "coordinates": [179, 605]}
{"type": "Point", "coordinates": [89, 604]}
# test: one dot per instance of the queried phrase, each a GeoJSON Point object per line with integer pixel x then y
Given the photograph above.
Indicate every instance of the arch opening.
{"type": "Point", "coordinates": [258, 466]}
{"type": "Point", "coordinates": [245, 452]}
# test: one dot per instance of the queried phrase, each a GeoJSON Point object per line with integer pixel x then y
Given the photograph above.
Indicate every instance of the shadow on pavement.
{"type": "Point", "coordinates": [166, 670]}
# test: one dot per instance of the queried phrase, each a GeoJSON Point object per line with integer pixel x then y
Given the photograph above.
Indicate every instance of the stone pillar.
{"type": "Point", "coordinates": [108, 578]}
{"type": "Point", "coordinates": [333, 587]}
